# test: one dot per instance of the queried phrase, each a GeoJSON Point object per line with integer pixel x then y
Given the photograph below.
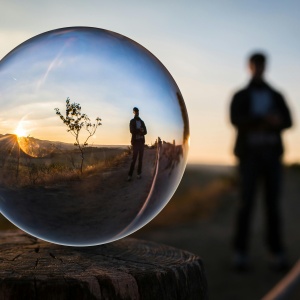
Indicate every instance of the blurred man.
{"type": "Point", "coordinates": [138, 131]}
{"type": "Point", "coordinates": [259, 113]}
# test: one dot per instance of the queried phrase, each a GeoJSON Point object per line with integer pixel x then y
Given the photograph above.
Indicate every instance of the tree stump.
{"type": "Point", "coordinates": [126, 269]}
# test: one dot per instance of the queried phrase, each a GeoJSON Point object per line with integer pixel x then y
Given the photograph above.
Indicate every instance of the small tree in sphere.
{"type": "Point", "coordinates": [75, 121]}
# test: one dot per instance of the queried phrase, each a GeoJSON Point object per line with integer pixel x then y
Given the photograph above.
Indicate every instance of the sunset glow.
{"type": "Point", "coordinates": [20, 131]}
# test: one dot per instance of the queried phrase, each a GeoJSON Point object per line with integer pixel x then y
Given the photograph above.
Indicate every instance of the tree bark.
{"type": "Point", "coordinates": [126, 269]}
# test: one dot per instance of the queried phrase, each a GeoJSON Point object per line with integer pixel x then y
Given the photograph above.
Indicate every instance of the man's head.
{"type": "Point", "coordinates": [136, 111]}
{"type": "Point", "coordinates": [257, 65]}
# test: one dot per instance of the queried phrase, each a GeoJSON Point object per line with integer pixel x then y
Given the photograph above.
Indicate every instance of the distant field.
{"type": "Point", "coordinates": [197, 195]}
{"type": "Point", "coordinates": [59, 165]}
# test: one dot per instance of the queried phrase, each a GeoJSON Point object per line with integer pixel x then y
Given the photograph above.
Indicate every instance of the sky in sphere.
{"type": "Point", "coordinates": [203, 44]}
{"type": "Point", "coordinates": [104, 72]}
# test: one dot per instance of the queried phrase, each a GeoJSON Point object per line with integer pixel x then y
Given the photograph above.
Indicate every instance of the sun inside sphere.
{"type": "Point", "coordinates": [94, 136]}
{"type": "Point", "coordinates": [20, 131]}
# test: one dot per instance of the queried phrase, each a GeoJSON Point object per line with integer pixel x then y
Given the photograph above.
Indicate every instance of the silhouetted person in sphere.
{"type": "Point", "coordinates": [138, 131]}
{"type": "Point", "coordinates": [259, 114]}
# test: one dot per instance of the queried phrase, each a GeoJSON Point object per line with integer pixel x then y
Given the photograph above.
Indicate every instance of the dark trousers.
{"type": "Point", "coordinates": [138, 151]}
{"type": "Point", "coordinates": [267, 167]}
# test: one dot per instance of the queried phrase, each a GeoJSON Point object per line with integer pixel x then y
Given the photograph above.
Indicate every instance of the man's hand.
{"type": "Point", "coordinates": [273, 120]}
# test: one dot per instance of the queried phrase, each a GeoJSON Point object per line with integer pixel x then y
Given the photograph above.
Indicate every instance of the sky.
{"type": "Point", "coordinates": [203, 44]}
{"type": "Point", "coordinates": [105, 73]}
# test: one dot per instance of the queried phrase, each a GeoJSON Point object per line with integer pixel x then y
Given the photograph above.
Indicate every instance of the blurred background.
{"type": "Point", "coordinates": [205, 46]}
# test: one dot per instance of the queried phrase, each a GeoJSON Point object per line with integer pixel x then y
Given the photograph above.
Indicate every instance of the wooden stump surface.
{"type": "Point", "coordinates": [126, 269]}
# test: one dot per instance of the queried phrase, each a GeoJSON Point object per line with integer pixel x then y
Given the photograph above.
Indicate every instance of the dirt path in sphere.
{"type": "Point", "coordinates": [104, 202]}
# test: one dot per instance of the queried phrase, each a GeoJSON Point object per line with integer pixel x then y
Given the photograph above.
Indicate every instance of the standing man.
{"type": "Point", "coordinates": [259, 114]}
{"type": "Point", "coordinates": [138, 131]}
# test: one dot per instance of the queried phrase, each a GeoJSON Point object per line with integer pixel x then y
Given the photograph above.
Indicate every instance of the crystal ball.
{"type": "Point", "coordinates": [94, 136]}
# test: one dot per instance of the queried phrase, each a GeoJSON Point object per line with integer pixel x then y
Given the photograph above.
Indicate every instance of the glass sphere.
{"type": "Point", "coordinates": [79, 106]}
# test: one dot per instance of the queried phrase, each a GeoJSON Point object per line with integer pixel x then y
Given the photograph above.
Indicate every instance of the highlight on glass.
{"type": "Point", "coordinates": [94, 136]}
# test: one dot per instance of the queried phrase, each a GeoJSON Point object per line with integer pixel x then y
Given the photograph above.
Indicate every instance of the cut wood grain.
{"type": "Point", "coordinates": [126, 269]}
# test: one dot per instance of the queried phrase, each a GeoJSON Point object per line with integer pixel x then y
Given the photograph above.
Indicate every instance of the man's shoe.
{"type": "Point", "coordinates": [129, 178]}
{"type": "Point", "coordinates": [139, 176]}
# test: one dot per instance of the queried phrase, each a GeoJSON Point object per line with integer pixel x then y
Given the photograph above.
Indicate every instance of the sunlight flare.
{"type": "Point", "coordinates": [20, 131]}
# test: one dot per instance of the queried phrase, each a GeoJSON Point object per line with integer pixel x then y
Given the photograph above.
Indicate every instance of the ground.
{"type": "Point", "coordinates": [200, 219]}
{"type": "Point", "coordinates": [211, 238]}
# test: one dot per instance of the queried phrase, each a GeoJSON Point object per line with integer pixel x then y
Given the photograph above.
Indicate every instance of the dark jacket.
{"type": "Point", "coordinates": [245, 122]}
{"type": "Point", "coordinates": [134, 131]}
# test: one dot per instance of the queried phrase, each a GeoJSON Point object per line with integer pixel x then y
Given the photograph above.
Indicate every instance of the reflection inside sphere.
{"type": "Point", "coordinates": [79, 107]}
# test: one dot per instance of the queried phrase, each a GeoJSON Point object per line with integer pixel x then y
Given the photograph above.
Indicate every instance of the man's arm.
{"type": "Point", "coordinates": [144, 127]}
{"type": "Point", "coordinates": [132, 127]}
{"type": "Point", "coordinates": [281, 119]}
